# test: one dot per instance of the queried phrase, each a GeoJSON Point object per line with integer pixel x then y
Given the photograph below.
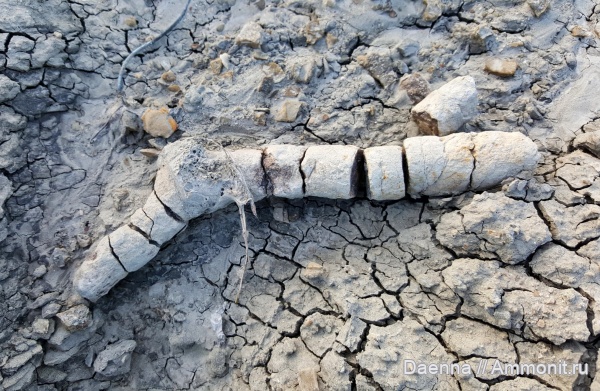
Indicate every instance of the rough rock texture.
{"type": "Point", "coordinates": [384, 173]}
{"type": "Point", "coordinates": [115, 360]}
{"type": "Point", "coordinates": [446, 109]}
{"type": "Point", "coordinates": [450, 165]}
{"type": "Point", "coordinates": [331, 171]}
{"type": "Point", "coordinates": [282, 167]}
{"type": "Point", "coordinates": [101, 271]}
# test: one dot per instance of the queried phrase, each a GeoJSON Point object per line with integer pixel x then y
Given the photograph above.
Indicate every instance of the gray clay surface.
{"type": "Point", "coordinates": [492, 254]}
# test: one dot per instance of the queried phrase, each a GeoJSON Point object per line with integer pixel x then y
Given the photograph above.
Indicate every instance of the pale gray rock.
{"type": "Point", "coordinates": [510, 299]}
{"type": "Point", "coordinates": [249, 162]}
{"type": "Point", "coordinates": [21, 379]}
{"type": "Point", "coordinates": [250, 35]}
{"type": "Point", "coordinates": [385, 174]}
{"type": "Point", "coordinates": [571, 225]}
{"type": "Point", "coordinates": [99, 272]}
{"type": "Point", "coordinates": [439, 165]}
{"type": "Point", "coordinates": [589, 141]}
{"type": "Point", "coordinates": [494, 226]}
{"type": "Point", "coordinates": [501, 155]}
{"type": "Point", "coordinates": [8, 89]}
{"type": "Point", "coordinates": [448, 108]}
{"type": "Point", "coordinates": [282, 166]}
{"type": "Point", "coordinates": [115, 359]}
{"type": "Point", "coordinates": [387, 349]}
{"type": "Point", "coordinates": [330, 171]}
{"type": "Point", "coordinates": [155, 221]}
{"type": "Point", "coordinates": [75, 318]}
{"type": "Point", "coordinates": [132, 248]}
{"type": "Point", "coordinates": [528, 190]}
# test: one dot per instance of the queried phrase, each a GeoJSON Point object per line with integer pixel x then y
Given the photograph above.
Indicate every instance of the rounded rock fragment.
{"type": "Point", "coordinates": [448, 108]}
{"type": "Point", "coordinates": [384, 173]}
{"type": "Point", "coordinates": [99, 273]}
{"type": "Point", "coordinates": [282, 166]}
{"type": "Point", "coordinates": [331, 171]}
{"type": "Point", "coordinates": [158, 122]}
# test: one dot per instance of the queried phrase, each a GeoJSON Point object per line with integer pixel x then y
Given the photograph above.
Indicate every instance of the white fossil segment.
{"type": "Point", "coordinates": [384, 173]}
{"type": "Point", "coordinates": [99, 273]}
{"type": "Point", "coordinates": [132, 248]}
{"type": "Point", "coordinates": [282, 166]}
{"type": "Point", "coordinates": [197, 177]}
{"type": "Point", "coordinates": [331, 171]}
{"type": "Point", "coordinates": [500, 155]}
{"type": "Point", "coordinates": [250, 163]}
{"type": "Point", "coordinates": [154, 211]}
{"type": "Point", "coordinates": [448, 108]}
{"type": "Point", "coordinates": [439, 165]}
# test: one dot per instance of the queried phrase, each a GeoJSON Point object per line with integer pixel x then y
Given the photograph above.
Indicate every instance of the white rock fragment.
{"type": "Point", "coordinates": [251, 35]}
{"type": "Point", "coordinates": [99, 272]}
{"type": "Point", "coordinates": [115, 360]}
{"type": "Point", "coordinates": [132, 248]}
{"type": "Point", "coordinates": [384, 173]}
{"type": "Point", "coordinates": [446, 109]}
{"type": "Point", "coordinates": [501, 155]}
{"type": "Point", "coordinates": [589, 141]}
{"type": "Point", "coordinates": [330, 171]}
{"type": "Point", "coordinates": [439, 165]}
{"type": "Point", "coordinates": [282, 166]}
{"type": "Point", "coordinates": [249, 161]}
{"type": "Point", "coordinates": [156, 222]}
{"type": "Point", "coordinates": [8, 88]}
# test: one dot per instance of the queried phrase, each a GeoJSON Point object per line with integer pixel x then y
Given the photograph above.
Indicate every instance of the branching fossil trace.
{"type": "Point", "coordinates": [198, 177]}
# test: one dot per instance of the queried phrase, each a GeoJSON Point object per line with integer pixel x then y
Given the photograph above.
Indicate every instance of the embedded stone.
{"type": "Point", "coordinates": [251, 35]}
{"type": "Point", "coordinates": [331, 171]}
{"type": "Point", "coordinates": [158, 122]}
{"type": "Point", "coordinates": [448, 108]}
{"type": "Point", "coordinates": [501, 67]}
{"type": "Point", "coordinates": [384, 173]}
{"type": "Point", "coordinates": [282, 167]}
